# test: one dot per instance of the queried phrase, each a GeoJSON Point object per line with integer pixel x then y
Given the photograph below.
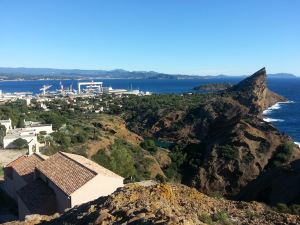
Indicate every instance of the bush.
{"type": "Point", "coordinates": [222, 217]}
{"type": "Point", "coordinates": [20, 143]}
{"type": "Point", "coordinates": [2, 134]}
{"type": "Point", "coordinates": [149, 145]}
{"type": "Point", "coordinates": [178, 157]}
{"type": "Point", "coordinates": [52, 118]}
{"type": "Point", "coordinates": [283, 154]}
{"type": "Point", "coordinates": [248, 158]}
{"type": "Point", "coordinates": [61, 138]}
{"type": "Point", "coordinates": [119, 161]}
{"type": "Point", "coordinates": [283, 208]}
{"type": "Point", "coordinates": [126, 160]}
{"type": "Point", "coordinates": [228, 152]}
{"type": "Point", "coordinates": [295, 209]}
{"type": "Point", "coordinates": [160, 178]}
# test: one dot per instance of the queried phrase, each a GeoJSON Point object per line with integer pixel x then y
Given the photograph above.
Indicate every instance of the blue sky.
{"type": "Point", "coordinates": [173, 36]}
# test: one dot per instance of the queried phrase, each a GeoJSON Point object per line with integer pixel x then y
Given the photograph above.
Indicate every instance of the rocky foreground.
{"type": "Point", "coordinates": [164, 204]}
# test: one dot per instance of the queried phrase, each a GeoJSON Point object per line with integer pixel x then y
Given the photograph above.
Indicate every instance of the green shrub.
{"type": "Point", "coordinates": [160, 178]}
{"type": "Point", "coordinates": [20, 143]}
{"type": "Point", "coordinates": [206, 218]}
{"type": "Point", "coordinates": [295, 209]}
{"type": "Point", "coordinates": [178, 158]}
{"type": "Point", "coordinates": [1, 172]}
{"type": "Point", "coordinates": [283, 154]}
{"type": "Point", "coordinates": [283, 208]}
{"type": "Point", "coordinates": [126, 160]}
{"type": "Point", "coordinates": [149, 145]}
{"type": "Point", "coordinates": [228, 152]}
{"type": "Point", "coordinates": [248, 158]}
{"type": "Point", "coordinates": [222, 217]}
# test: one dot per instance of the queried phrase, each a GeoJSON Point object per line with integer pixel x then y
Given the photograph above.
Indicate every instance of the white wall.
{"type": "Point", "coordinates": [7, 140]}
{"type": "Point", "coordinates": [97, 187]}
{"type": "Point", "coordinates": [46, 128]}
{"type": "Point", "coordinates": [7, 124]}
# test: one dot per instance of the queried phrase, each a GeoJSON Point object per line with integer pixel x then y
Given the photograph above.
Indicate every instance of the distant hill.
{"type": "Point", "coordinates": [39, 73]}
{"type": "Point", "coordinates": [8, 73]}
{"type": "Point", "coordinates": [281, 75]}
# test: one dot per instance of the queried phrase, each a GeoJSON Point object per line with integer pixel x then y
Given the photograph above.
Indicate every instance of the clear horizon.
{"type": "Point", "coordinates": [174, 37]}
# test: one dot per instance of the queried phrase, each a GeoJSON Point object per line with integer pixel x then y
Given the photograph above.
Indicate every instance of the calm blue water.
{"type": "Point", "coordinates": [286, 117]}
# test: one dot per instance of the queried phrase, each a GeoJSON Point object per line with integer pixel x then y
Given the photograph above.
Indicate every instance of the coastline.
{"type": "Point", "coordinates": [269, 110]}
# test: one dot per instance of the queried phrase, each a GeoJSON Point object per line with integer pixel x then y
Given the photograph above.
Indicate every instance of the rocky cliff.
{"type": "Point", "coordinates": [253, 93]}
{"type": "Point", "coordinates": [226, 142]}
{"type": "Point", "coordinates": [164, 204]}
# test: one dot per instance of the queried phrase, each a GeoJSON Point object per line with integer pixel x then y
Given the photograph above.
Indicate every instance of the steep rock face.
{"type": "Point", "coordinates": [277, 185]}
{"type": "Point", "coordinates": [253, 93]}
{"type": "Point", "coordinates": [165, 204]}
{"type": "Point", "coordinates": [227, 143]}
{"type": "Point", "coordinates": [234, 156]}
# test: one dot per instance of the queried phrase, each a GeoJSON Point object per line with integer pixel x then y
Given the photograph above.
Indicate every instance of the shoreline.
{"type": "Point", "coordinates": [276, 106]}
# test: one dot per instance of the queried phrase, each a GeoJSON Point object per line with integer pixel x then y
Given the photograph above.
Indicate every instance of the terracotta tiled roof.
{"type": "Point", "coordinates": [25, 165]}
{"type": "Point", "coordinates": [65, 173]}
{"type": "Point", "coordinates": [38, 198]}
{"type": "Point", "coordinates": [92, 165]}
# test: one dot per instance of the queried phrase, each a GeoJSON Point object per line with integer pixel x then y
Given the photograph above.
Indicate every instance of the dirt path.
{"type": "Point", "coordinates": [6, 156]}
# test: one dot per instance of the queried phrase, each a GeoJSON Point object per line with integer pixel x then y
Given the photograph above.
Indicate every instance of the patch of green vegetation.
{"type": "Point", "coordinates": [178, 158]}
{"type": "Point", "coordinates": [1, 171]}
{"type": "Point", "coordinates": [149, 145]}
{"type": "Point", "coordinates": [159, 178]}
{"type": "Point", "coordinates": [252, 215]}
{"type": "Point", "coordinates": [126, 160]}
{"type": "Point", "coordinates": [222, 218]}
{"type": "Point", "coordinates": [228, 152]}
{"type": "Point", "coordinates": [20, 143]}
{"type": "Point", "coordinates": [2, 134]}
{"type": "Point", "coordinates": [217, 195]}
{"type": "Point", "coordinates": [206, 218]}
{"type": "Point", "coordinates": [213, 87]}
{"type": "Point", "coordinates": [248, 158]}
{"type": "Point", "coordinates": [283, 154]}
{"type": "Point", "coordinates": [284, 208]}
{"type": "Point", "coordinates": [263, 148]}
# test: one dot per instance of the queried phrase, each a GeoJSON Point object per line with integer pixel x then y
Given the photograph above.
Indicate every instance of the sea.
{"type": "Point", "coordinates": [284, 116]}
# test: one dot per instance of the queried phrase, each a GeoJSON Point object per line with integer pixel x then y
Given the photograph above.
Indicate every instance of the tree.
{"type": "Point", "coordinates": [149, 145]}
{"type": "Point", "coordinates": [61, 138]}
{"type": "Point", "coordinates": [20, 143]}
{"type": "Point", "coordinates": [53, 118]}
{"type": "Point", "coordinates": [2, 134]}
{"type": "Point", "coordinates": [21, 123]}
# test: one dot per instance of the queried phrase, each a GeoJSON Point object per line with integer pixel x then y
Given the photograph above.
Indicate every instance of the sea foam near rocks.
{"type": "Point", "coordinates": [272, 108]}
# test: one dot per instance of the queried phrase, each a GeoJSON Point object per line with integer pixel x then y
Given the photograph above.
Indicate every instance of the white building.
{"type": "Point", "coordinates": [28, 133]}
{"type": "Point", "coordinates": [7, 124]}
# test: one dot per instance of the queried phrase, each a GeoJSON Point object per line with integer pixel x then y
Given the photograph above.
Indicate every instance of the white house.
{"type": "Point", "coordinates": [28, 133]}
{"type": "Point", "coordinates": [7, 124]}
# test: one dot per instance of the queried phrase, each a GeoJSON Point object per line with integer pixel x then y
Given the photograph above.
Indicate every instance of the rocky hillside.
{"type": "Point", "coordinates": [223, 136]}
{"type": "Point", "coordinates": [164, 204]}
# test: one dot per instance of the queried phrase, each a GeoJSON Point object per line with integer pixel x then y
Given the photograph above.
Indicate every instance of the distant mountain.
{"type": "Point", "coordinates": [8, 73]}
{"type": "Point", "coordinates": [281, 75]}
{"type": "Point", "coordinates": [38, 73]}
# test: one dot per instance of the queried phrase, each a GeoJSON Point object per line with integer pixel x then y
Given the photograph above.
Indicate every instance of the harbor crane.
{"type": "Point", "coordinates": [45, 88]}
